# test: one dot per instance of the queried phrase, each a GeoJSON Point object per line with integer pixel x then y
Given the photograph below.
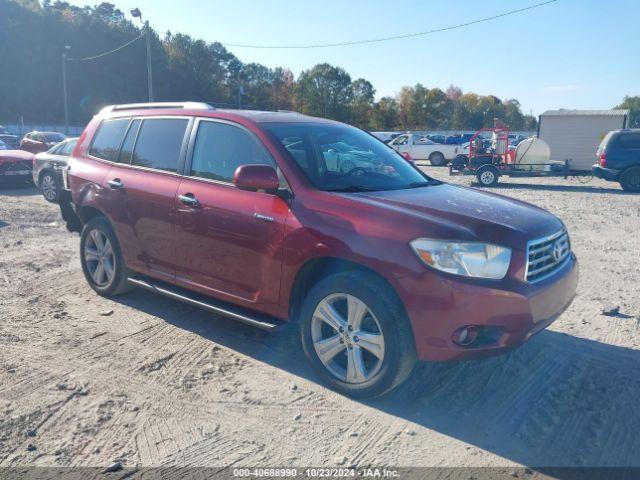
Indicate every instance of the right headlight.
{"type": "Point", "coordinates": [470, 259]}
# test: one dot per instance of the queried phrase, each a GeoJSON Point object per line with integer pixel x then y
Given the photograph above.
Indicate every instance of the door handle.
{"type": "Point", "coordinates": [189, 199]}
{"type": "Point", "coordinates": [115, 183]}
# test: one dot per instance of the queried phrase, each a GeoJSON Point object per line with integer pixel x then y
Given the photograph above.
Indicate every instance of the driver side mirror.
{"type": "Point", "coordinates": [256, 177]}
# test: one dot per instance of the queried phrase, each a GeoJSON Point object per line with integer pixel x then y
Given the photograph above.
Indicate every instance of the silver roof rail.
{"type": "Point", "coordinates": [157, 105]}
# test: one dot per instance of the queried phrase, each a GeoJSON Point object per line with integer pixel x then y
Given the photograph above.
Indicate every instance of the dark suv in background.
{"type": "Point", "coordinates": [247, 214]}
{"type": "Point", "coordinates": [619, 159]}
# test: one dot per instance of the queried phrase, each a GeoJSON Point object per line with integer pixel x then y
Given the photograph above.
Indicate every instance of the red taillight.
{"type": "Point", "coordinates": [603, 159]}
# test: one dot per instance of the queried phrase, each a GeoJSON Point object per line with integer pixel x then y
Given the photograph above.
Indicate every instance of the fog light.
{"type": "Point", "coordinates": [465, 336]}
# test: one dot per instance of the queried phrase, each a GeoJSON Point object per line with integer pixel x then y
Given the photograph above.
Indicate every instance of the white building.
{"type": "Point", "coordinates": [574, 135]}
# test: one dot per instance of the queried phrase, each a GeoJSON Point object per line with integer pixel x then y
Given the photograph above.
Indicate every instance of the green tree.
{"type": "Point", "coordinates": [324, 91]}
{"type": "Point", "coordinates": [633, 104]}
{"type": "Point", "coordinates": [385, 114]}
{"type": "Point", "coordinates": [362, 96]}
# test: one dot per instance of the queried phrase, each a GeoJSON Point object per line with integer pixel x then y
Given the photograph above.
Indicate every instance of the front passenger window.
{"type": "Point", "coordinates": [221, 148]}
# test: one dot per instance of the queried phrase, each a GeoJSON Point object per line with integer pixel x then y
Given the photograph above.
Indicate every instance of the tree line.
{"type": "Point", "coordinates": [33, 36]}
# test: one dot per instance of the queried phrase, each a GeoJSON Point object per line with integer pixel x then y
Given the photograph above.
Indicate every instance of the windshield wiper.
{"type": "Point", "coordinates": [425, 183]}
{"type": "Point", "coordinates": [352, 188]}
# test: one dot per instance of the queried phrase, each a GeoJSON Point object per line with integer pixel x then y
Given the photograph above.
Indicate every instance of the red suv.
{"type": "Point", "coordinates": [275, 218]}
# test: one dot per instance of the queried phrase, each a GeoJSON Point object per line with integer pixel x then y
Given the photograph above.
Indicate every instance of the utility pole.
{"type": "Point", "coordinates": [149, 73]}
{"type": "Point", "coordinates": [136, 13]}
{"type": "Point", "coordinates": [64, 89]}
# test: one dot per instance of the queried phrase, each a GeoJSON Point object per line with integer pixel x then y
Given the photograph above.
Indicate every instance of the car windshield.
{"type": "Point", "coordinates": [343, 158]}
{"type": "Point", "coordinates": [53, 137]}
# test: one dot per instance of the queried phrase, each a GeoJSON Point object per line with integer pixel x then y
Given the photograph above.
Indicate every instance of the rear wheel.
{"type": "Point", "coordinates": [49, 187]}
{"type": "Point", "coordinates": [437, 159]}
{"type": "Point", "coordinates": [356, 334]}
{"type": "Point", "coordinates": [101, 258]}
{"type": "Point", "coordinates": [630, 180]}
{"type": "Point", "coordinates": [487, 176]}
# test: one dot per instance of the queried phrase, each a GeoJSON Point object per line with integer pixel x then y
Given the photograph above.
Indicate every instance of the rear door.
{"type": "Point", "coordinates": [141, 187]}
{"type": "Point", "coordinates": [228, 244]}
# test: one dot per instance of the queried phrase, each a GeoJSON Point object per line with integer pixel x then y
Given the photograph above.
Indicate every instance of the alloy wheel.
{"type": "Point", "coordinates": [49, 188]}
{"type": "Point", "coordinates": [347, 338]}
{"type": "Point", "coordinates": [99, 258]}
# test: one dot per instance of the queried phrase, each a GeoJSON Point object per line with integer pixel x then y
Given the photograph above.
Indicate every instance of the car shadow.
{"type": "Point", "coordinates": [22, 190]}
{"type": "Point", "coordinates": [555, 188]}
{"type": "Point", "coordinates": [557, 401]}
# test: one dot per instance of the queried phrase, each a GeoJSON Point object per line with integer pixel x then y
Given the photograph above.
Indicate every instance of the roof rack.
{"type": "Point", "coordinates": [159, 105]}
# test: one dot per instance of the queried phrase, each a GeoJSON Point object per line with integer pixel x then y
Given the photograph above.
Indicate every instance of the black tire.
{"type": "Point", "coordinates": [487, 176]}
{"type": "Point", "coordinates": [118, 283]}
{"type": "Point", "coordinates": [437, 159]}
{"type": "Point", "coordinates": [47, 181]}
{"type": "Point", "coordinates": [399, 347]}
{"type": "Point", "coordinates": [630, 180]}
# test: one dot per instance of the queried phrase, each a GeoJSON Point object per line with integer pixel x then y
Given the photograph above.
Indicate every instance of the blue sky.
{"type": "Point", "coordinates": [569, 54]}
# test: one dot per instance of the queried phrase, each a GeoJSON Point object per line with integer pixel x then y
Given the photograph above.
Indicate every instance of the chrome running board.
{"type": "Point", "coordinates": [239, 314]}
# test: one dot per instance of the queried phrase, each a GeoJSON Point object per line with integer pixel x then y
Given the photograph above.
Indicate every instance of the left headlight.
{"type": "Point", "coordinates": [471, 259]}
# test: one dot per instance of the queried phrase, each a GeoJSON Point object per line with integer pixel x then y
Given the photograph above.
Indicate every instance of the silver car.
{"type": "Point", "coordinates": [48, 166]}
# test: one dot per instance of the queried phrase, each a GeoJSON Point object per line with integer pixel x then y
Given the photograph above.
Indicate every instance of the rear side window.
{"type": "Point", "coordinates": [159, 143]}
{"type": "Point", "coordinates": [221, 148]}
{"type": "Point", "coordinates": [107, 141]}
{"type": "Point", "coordinates": [628, 140]}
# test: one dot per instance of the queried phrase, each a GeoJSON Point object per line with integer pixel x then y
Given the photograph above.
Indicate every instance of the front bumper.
{"type": "Point", "coordinates": [506, 317]}
{"type": "Point", "coordinates": [605, 173]}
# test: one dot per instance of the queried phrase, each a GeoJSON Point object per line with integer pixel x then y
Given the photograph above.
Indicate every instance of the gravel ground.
{"type": "Point", "coordinates": [148, 381]}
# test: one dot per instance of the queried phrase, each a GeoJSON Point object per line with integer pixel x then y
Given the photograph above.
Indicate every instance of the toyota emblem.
{"type": "Point", "coordinates": [557, 250]}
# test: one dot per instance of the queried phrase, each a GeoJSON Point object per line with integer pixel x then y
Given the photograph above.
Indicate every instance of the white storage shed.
{"type": "Point", "coordinates": [574, 135]}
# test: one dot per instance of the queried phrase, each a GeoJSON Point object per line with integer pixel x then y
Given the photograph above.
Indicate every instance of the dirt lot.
{"type": "Point", "coordinates": [149, 381]}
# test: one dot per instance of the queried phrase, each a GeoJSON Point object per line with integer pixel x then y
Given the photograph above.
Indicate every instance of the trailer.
{"type": "Point", "coordinates": [488, 161]}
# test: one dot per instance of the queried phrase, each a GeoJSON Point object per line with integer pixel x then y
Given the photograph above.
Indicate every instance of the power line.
{"type": "Point", "coordinates": [100, 55]}
{"type": "Point", "coordinates": [395, 37]}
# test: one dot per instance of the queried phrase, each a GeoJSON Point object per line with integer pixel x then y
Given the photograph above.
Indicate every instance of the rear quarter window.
{"type": "Point", "coordinates": [627, 140]}
{"type": "Point", "coordinates": [107, 140]}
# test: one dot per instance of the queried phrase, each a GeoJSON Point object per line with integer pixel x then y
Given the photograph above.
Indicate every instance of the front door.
{"type": "Point", "coordinates": [228, 240]}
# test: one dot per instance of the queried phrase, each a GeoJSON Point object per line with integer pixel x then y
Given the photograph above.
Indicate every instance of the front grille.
{"type": "Point", "coordinates": [546, 255]}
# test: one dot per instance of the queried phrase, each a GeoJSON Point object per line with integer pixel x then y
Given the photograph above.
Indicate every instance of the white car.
{"type": "Point", "coordinates": [419, 147]}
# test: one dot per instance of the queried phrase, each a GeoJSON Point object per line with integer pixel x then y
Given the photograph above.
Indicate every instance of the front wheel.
{"type": "Point", "coordinates": [357, 335]}
{"type": "Point", "coordinates": [101, 258]}
{"type": "Point", "coordinates": [49, 187]}
{"type": "Point", "coordinates": [630, 180]}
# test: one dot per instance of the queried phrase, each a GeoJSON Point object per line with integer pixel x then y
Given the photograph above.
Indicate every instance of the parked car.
{"type": "Point", "coordinates": [15, 166]}
{"type": "Point", "coordinates": [48, 166]}
{"type": "Point", "coordinates": [619, 159]}
{"type": "Point", "coordinates": [36, 142]}
{"type": "Point", "coordinates": [437, 138]}
{"type": "Point", "coordinates": [421, 148]}
{"type": "Point", "coordinates": [516, 138]}
{"type": "Point", "coordinates": [236, 212]}
{"type": "Point", "coordinates": [11, 141]}
{"type": "Point", "coordinates": [386, 137]}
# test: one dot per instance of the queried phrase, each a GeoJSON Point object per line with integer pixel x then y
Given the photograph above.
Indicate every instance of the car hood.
{"type": "Point", "coordinates": [452, 212]}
